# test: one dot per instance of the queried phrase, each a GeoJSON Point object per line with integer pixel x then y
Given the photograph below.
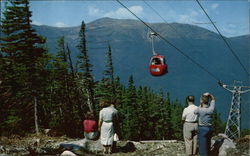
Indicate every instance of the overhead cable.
{"type": "Point", "coordinates": [223, 38]}
{"type": "Point", "coordinates": [168, 42]}
{"type": "Point", "coordinates": [183, 37]}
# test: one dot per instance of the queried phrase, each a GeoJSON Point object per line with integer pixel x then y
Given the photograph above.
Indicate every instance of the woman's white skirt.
{"type": "Point", "coordinates": [107, 133]}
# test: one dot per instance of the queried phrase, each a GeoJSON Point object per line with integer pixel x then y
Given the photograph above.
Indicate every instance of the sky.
{"type": "Point", "coordinates": [230, 16]}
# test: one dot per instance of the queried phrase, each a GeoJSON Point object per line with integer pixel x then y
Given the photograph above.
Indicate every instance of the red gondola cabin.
{"type": "Point", "coordinates": [157, 65]}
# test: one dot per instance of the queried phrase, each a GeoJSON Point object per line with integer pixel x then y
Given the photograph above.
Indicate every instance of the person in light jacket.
{"type": "Point", "coordinates": [205, 125]}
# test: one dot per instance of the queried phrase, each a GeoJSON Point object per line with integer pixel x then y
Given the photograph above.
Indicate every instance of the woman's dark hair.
{"type": "Point", "coordinates": [89, 116]}
{"type": "Point", "coordinates": [190, 98]}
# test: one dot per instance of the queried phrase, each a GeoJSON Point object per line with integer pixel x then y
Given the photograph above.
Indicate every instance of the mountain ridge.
{"type": "Point", "coordinates": [122, 21]}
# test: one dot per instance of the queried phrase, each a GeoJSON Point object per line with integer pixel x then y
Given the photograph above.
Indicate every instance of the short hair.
{"type": "Point", "coordinates": [190, 98]}
{"type": "Point", "coordinates": [204, 99]}
{"type": "Point", "coordinates": [89, 116]}
{"type": "Point", "coordinates": [104, 103]}
{"type": "Point", "coordinates": [113, 101]}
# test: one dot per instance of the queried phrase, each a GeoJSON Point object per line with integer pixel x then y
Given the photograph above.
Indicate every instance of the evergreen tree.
{"type": "Point", "coordinates": [68, 102]}
{"type": "Point", "coordinates": [85, 66]}
{"type": "Point", "coordinates": [131, 119]}
{"type": "Point", "coordinates": [162, 116]}
{"type": "Point", "coordinates": [142, 107]}
{"type": "Point", "coordinates": [71, 66]}
{"type": "Point", "coordinates": [219, 125]}
{"type": "Point", "coordinates": [107, 83]}
{"type": "Point", "coordinates": [119, 91]}
{"type": "Point", "coordinates": [61, 108]}
{"type": "Point", "coordinates": [176, 121]}
{"type": "Point", "coordinates": [24, 59]}
{"type": "Point", "coordinates": [167, 116]}
{"type": "Point", "coordinates": [109, 72]}
{"type": "Point", "coordinates": [76, 95]}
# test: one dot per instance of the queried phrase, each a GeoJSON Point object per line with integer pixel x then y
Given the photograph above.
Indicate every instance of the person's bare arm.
{"type": "Point", "coordinates": [210, 109]}
{"type": "Point", "coordinates": [184, 115]}
{"type": "Point", "coordinates": [100, 124]}
{"type": "Point", "coordinates": [212, 97]}
{"type": "Point", "coordinates": [100, 121]}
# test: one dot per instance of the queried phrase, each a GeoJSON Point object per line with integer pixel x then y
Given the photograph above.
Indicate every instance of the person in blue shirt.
{"type": "Point", "coordinates": [205, 126]}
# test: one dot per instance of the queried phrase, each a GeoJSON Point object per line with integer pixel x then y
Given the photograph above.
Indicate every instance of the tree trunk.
{"type": "Point", "coordinates": [89, 101]}
{"type": "Point", "coordinates": [61, 112]}
{"type": "Point", "coordinates": [36, 117]}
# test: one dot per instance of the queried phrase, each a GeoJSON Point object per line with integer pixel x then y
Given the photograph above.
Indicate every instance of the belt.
{"type": "Point", "coordinates": [108, 121]}
{"type": "Point", "coordinates": [205, 125]}
{"type": "Point", "coordinates": [191, 121]}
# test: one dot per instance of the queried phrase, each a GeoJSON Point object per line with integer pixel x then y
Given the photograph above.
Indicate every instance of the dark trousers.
{"type": "Point", "coordinates": [204, 139]}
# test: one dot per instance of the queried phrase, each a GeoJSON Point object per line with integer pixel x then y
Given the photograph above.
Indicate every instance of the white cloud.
{"type": "Point", "coordinates": [60, 24]}
{"type": "Point", "coordinates": [93, 11]}
{"type": "Point", "coordinates": [214, 6]}
{"type": "Point", "coordinates": [232, 25]}
{"type": "Point", "coordinates": [120, 13]}
{"type": "Point", "coordinates": [183, 19]}
{"type": "Point", "coordinates": [36, 23]}
{"type": "Point", "coordinates": [226, 31]}
{"type": "Point", "coordinates": [190, 17]}
{"type": "Point", "coordinates": [123, 13]}
{"type": "Point", "coordinates": [234, 29]}
{"type": "Point", "coordinates": [193, 13]}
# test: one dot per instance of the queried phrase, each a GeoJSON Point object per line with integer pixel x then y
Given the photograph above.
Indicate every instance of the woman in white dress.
{"type": "Point", "coordinates": [107, 119]}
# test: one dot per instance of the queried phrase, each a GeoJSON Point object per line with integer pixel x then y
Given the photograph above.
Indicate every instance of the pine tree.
{"type": "Point", "coordinates": [107, 83]}
{"type": "Point", "coordinates": [60, 85]}
{"type": "Point", "coordinates": [176, 123]}
{"type": "Point", "coordinates": [85, 66]}
{"type": "Point", "coordinates": [142, 107]}
{"type": "Point", "coordinates": [119, 91]}
{"type": "Point", "coordinates": [109, 72]}
{"type": "Point", "coordinates": [71, 66]}
{"type": "Point", "coordinates": [68, 103]}
{"type": "Point", "coordinates": [131, 120]}
{"type": "Point", "coordinates": [167, 116]}
{"type": "Point", "coordinates": [219, 125]}
{"type": "Point", "coordinates": [76, 95]}
{"type": "Point", "coordinates": [162, 122]}
{"type": "Point", "coordinates": [24, 56]}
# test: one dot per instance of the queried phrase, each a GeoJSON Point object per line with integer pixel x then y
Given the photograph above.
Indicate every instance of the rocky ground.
{"type": "Point", "coordinates": [242, 147]}
{"type": "Point", "coordinates": [30, 145]}
{"type": "Point", "coordinates": [45, 145]}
